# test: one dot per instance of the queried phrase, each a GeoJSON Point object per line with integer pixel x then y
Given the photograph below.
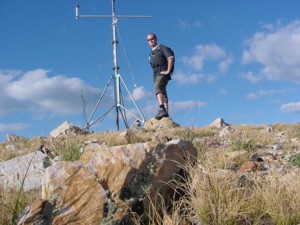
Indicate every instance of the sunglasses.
{"type": "Point", "coordinates": [151, 39]}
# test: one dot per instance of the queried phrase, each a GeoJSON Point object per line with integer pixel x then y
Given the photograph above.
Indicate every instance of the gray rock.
{"type": "Point", "coordinates": [219, 122]}
{"type": "Point", "coordinates": [28, 169]}
{"type": "Point", "coordinates": [66, 129]}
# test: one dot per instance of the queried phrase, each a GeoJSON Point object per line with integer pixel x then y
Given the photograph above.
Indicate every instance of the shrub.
{"type": "Point", "coordinates": [70, 149]}
{"type": "Point", "coordinates": [295, 160]}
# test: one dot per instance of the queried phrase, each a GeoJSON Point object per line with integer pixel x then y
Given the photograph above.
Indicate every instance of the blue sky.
{"type": "Point", "coordinates": [238, 60]}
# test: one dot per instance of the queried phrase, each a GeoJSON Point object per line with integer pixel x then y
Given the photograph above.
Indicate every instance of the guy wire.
{"type": "Point", "coordinates": [125, 54]}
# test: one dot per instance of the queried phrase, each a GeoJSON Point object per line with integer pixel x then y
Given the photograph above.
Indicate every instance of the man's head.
{"type": "Point", "coordinates": [152, 40]}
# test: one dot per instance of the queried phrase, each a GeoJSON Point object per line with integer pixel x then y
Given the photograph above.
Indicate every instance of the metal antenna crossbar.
{"type": "Point", "coordinates": [118, 105]}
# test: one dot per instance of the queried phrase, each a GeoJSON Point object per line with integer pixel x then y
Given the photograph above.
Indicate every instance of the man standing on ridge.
{"type": "Point", "coordinates": [161, 59]}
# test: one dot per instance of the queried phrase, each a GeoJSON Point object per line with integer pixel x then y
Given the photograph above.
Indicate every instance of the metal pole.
{"type": "Point", "coordinates": [116, 76]}
{"type": "Point", "coordinates": [116, 68]}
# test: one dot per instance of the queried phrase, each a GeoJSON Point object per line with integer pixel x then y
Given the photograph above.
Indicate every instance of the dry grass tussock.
{"type": "Point", "coordinates": [216, 198]}
{"type": "Point", "coordinates": [8, 200]}
{"type": "Point", "coordinates": [214, 192]}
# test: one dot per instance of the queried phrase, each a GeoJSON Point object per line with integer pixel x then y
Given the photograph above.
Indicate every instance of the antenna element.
{"type": "Point", "coordinates": [118, 105]}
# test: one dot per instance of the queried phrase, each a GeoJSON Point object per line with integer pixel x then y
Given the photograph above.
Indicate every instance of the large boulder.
{"type": "Point", "coordinates": [164, 123]}
{"type": "Point", "coordinates": [72, 193]}
{"type": "Point", "coordinates": [24, 171]}
{"type": "Point", "coordinates": [66, 129]}
{"type": "Point", "coordinates": [109, 183]}
{"type": "Point", "coordinates": [219, 122]}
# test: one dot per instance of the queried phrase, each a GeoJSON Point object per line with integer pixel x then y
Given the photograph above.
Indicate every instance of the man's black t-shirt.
{"type": "Point", "coordinates": [159, 59]}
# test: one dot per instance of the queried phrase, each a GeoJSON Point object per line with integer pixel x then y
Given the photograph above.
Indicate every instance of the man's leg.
{"type": "Point", "coordinates": [161, 95]}
{"type": "Point", "coordinates": [163, 105]}
{"type": "Point", "coordinates": [162, 101]}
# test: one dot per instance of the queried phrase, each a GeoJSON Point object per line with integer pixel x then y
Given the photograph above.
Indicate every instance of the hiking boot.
{"type": "Point", "coordinates": [161, 113]}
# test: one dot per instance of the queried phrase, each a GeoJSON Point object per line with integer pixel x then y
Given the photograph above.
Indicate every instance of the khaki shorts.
{"type": "Point", "coordinates": [160, 85]}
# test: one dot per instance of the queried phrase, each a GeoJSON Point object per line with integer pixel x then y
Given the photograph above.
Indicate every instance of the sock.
{"type": "Point", "coordinates": [162, 106]}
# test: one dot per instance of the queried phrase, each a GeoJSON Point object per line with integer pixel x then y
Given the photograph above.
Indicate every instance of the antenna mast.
{"type": "Point", "coordinates": [118, 105]}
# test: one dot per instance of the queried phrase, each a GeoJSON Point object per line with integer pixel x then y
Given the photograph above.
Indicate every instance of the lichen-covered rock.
{"type": "Point", "coordinates": [132, 173]}
{"type": "Point", "coordinates": [109, 183]}
{"type": "Point", "coordinates": [71, 195]}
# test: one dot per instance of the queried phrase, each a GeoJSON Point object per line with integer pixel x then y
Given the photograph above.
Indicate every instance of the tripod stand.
{"type": "Point", "coordinates": [118, 105]}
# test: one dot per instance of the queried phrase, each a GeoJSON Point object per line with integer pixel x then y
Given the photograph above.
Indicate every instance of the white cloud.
{"type": "Point", "coordinates": [192, 78]}
{"type": "Point", "coordinates": [184, 24]}
{"type": "Point", "coordinates": [222, 91]}
{"type": "Point", "coordinates": [7, 103]}
{"type": "Point", "coordinates": [177, 107]}
{"type": "Point", "coordinates": [13, 126]}
{"type": "Point", "coordinates": [262, 93]}
{"type": "Point", "coordinates": [140, 93]}
{"type": "Point", "coordinates": [252, 96]}
{"type": "Point", "coordinates": [35, 91]}
{"type": "Point", "coordinates": [211, 51]}
{"type": "Point", "coordinates": [225, 64]}
{"type": "Point", "coordinates": [194, 62]}
{"type": "Point", "coordinates": [208, 53]}
{"type": "Point", "coordinates": [210, 78]}
{"type": "Point", "coordinates": [183, 78]}
{"type": "Point", "coordinates": [277, 52]}
{"type": "Point", "coordinates": [291, 107]}
{"type": "Point", "coordinates": [251, 77]}
{"type": "Point", "coordinates": [197, 24]}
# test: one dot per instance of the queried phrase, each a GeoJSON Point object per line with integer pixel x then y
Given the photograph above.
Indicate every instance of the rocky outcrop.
{"type": "Point", "coordinates": [13, 138]}
{"type": "Point", "coordinates": [110, 183]}
{"type": "Point", "coordinates": [66, 129]}
{"type": "Point", "coordinates": [72, 193]}
{"type": "Point", "coordinates": [164, 123]}
{"type": "Point", "coordinates": [219, 122]}
{"type": "Point", "coordinates": [31, 166]}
